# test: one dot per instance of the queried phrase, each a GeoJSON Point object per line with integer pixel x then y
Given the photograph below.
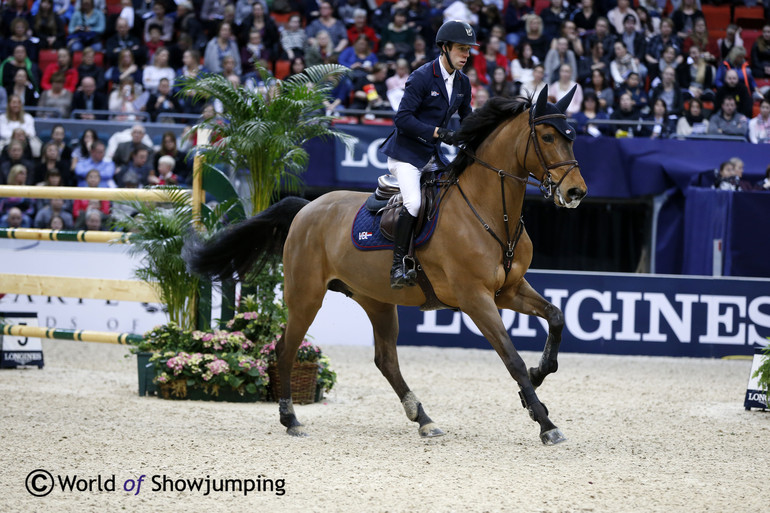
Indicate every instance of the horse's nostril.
{"type": "Point", "coordinates": [576, 194]}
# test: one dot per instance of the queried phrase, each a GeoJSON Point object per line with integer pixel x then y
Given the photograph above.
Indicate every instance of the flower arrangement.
{"type": "Point", "coordinates": [763, 373]}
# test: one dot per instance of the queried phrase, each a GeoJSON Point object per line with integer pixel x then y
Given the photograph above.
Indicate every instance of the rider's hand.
{"type": "Point", "coordinates": [446, 136]}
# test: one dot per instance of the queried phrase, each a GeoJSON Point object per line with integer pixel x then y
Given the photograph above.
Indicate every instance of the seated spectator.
{"type": "Point", "coordinates": [656, 45]}
{"type": "Point", "coordinates": [15, 218]}
{"type": "Point", "coordinates": [617, 15]}
{"type": "Point", "coordinates": [155, 43]}
{"type": "Point", "coordinates": [359, 57]}
{"type": "Point", "coordinates": [684, 17]}
{"type": "Point", "coordinates": [13, 9]}
{"type": "Point", "coordinates": [534, 36]}
{"type": "Point", "coordinates": [358, 28]}
{"type": "Point", "coordinates": [669, 91]}
{"type": "Point", "coordinates": [17, 176]}
{"type": "Point", "coordinates": [81, 207]}
{"type": "Point", "coordinates": [727, 121]}
{"type": "Point", "coordinates": [736, 60]}
{"type": "Point", "coordinates": [123, 40]}
{"type": "Point", "coordinates": [189, 27]}
{"type": "Point", "coordinates": [168, 146]}
{"type": "Point", "coordinates": [370, 91]}
{"type": "Point", "coordinates": [693, 122]}
{"type": "Point", "coordinates": [665, 123]}
{"type": "Point", "coordinates": [481, 98]}
{"type": "Point", "coordinates": [63, 64]}
{"type": "Point", "coordinates": [293, 38]}
{"type": "Point", "coordinates": [489, 59]}
{"type": "Point", "coordinates": [585, 17]}
{"type": "Point", "coordinates": [296, 67]}
{"type": "Point", "coordinates": [339, 96]}
{"type": "Point", "coordinates": [650, 24]}
{"type": "Point", "coordinates": [633, 39]}
{"type": "Point", "coordinates": [532, 88]}
{"type": "Point", "coordinates": [760, 54]}
{"type": "Point", "coordinates": [700, 38]}
{"type": "Point", "coordinates": [20, 35]}
{"type": "Point", "coordinates": [553, 16]}
{"type": "Point", "coordinates": [668, 59]}
{"type": "Point", "coordinates": [124, 69]}
{"type": "Point", "coordinates": [159, 69]}
{"type": "Point", "coordinates": [14, 118]}
{"type": "Point", "coordinates": [632, 86]}
{"type": "Point", "coordinates": [83, 148]}
{"type": "Point", "coordinates": [696, 76]}
{"type": "Point", "coordinates": [86, 27]}
{"type": "Point", "coordinates": [57, 223]}
{"type": "Point", "coordinates": [569, 31]}
{"type": "Point", "coordinates": [595, 60]}
{"type": "Point", "coordinates": [623, 63]}
{"type": "Point", "coordinates": [161, 19]}
{"type": "Point", "coordinates": [320, 49]}
{"type": "Point", "coordinates": [600, 87]}
{"type": "Point", "coordinates": [163, 104]}
{"type": "Point", "coordinates": [419, 55]}
{"type": "Point", "coordinates": [50, 161]}
{"type": "Point", "coordinates": [523, 65]}
{"type": "Point", "coordinates": [88, 68]}
{"type": "Point", "coordinates": [48, 26]}
{"type": "Point", "coordinates": [334, 28]}
{"type": "Point", "coordinates": [123, 151]}
{"type": "Point", "coordinates": [95, 161]}
{"type": "Point", "coordinates": [627, 113]}
{"type": "Point", "coordinates": [731, 40]}
{"type": "Point", "coordinates": [125, 99]}
{"type": "Point", "coordinates": [399, 33]}
{"type": "Point", "coordinates": [759, 127]}
{"type": "Point", "coordinates": [398, 81]}
{"type": "Point", "coordinates": [139, 165]}
{"type": "Point", "coordinates": [557, 56]}
{"type": "Point", "coordinates": [222, 46]}
{"type": "Point", "coordinates": [164, 175]}
{"type": "Point", "coordinates": [23, 89]}
{"type": "Point", "coordinates": [730, 177]}
{"type": "Point", "coordinates": [56, 208]}
{"type": "Point", "coordinates": [262, 22]}
{"type": "Point", "coordinates": [57, 97]}
{"type": "Point", "coordinates": [57, 138]}
{"type": "Point", "coordinates": [589, 111]}
{"type": "Point", "coordinates": [19, 60]}
{"type": "Point", "coordinates": [89, 99]}
{"type": "Point", "coordinates": [764, 185]}
{"type": "Point", "coordinates": [95, 220]}
{"type": "Point", "coordinates": [735, 88]}
{"type": "Point", "coordinates": [501, 86]}
{"type": "Point", "coordinates": [564, 85]}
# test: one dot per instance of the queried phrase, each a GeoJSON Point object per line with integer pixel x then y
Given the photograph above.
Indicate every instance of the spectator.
{"type": "Point", "coordinates": [370, 91]}
{"type": "Point", "coordinates": [399, 33]}
{"type": "Point", "coordinates": [632, 85]}
{"type": "Point", "coordinates": [684, 18]}
{"type": "Point", "coordinates": [759, 127]}
{"type": "Point", "coordinates": [57, 138]}
{"type": "Point", "coordinates": [760, 54]}
{"type": "Point", "coordinates": [623, 63]}
{"type": "Point", "coordinates": [515, 19]}
{"type": "Point", "coordinates": [523, 65]}
{"type": "Point", "coordinates": [223, 45]}
{"type": "Point", "coordinates": [83, 148]}
{"type": "Point", "coordinates": [558, 55]}
{"type": "Point", "coordinates": [650, 24]}
{"type": "Point", "coordinates": [125, 99]}
{"type": "Point", "coordinates": [628, 115]}
{"type": "Point", "coordinates": [419, 55]}
{"type": "Point", "coordinates": [358, 57]}
{"type": "Point", "coordinates": [15, 218]}
{"type": "Point", "coordinates": [168, 146]}
{"type": "Point", "coordinates": [123, 40]}
{"type": "Point", "coordinates": [320, 49]}
{"type": "Point", "coordinates": [696, 76]}
{"type": "Point", "coordinates": [293, 38]}
{"type": "Point", "coordinates": [139, 165]}
{"type": "Point", "coordinates": [50, 160]}
{"type": "Point", "coordinates": [736, 60]}
{"type": "Point", "coordinates": [13, 155]}
{"type": "Point", "coordinates": [189, 27]}
{"type": "Point", "coordinates": [731, 40]}
{"type": "Point", "coordinates": [95, 161]}
{"type": "Point", "coordinates": [124, 69]}
{"type": "Point", "coordinates": [585, 17]}
{"type": "Point", "coordinates": [155, 41]}
{"type": "Point", "coordinates": [532, 88]}
{"type": "Point", "coordinates": [589, 112]}
{"type": "Point", "coordinates": [700, 37]}
{"type": "Point", "coordinates": [764, 185]}
{"type": "Point", "coordinates": [358, 28]}
{"type": "Point", "coordinates": [165, 172]}
{"type": "Point", "coordinates": [730, 177]}
{"type": "Point", "coordinates": [64, 64]}
{"type": "Point", "coordinates": [260, 21]}
{"type": "Point", "coordinates": [190, 69]}
{"type": "Point", "coordinates": [553, 16]}
{"type": "Point", "coordinates": [569, 31]}
{"type": "Point", "coordinates": [693, 122]}
{"type": "Point", "coordinates": [500, 86]}
{"type": "Point", "coordinates": [727, 121]}
{"type": "Point", "coordinates": [22, 88]}
{"type": "Point", "coordinates": [617, 15]}
{"type": "Point", "coordinates": [339, 96]}
{"type": "Point", "coordinates": [658, 43]}
{"type": "Point", "coordinates": [19, 60]}
{"type": "Point", "coordinates": [57, 223]}
{"type": "Point", "coordinates": [296, 67]}
{"type": "Point", "coordinates": [89, 99]}
{"type": "Point", "coordinates": [3, 99]}
{"type": "Point", "coordinates": [534, 36]}
{"type": "Point", "coordinates": [160, 19]}
{"type": "Point", "coordinates": [669, 91]}
{"type": "Point", "coordinates": [602, 36]}
{"type": "Point", "coordinates": [212, 14]}
{"type": "Point", "coordinates": [334, 28]}
{"type": "Point", "coordinates": [159, 69]}
{"type": "Point", "coordinates": [48, 26]}
{"type": "Point", "coordinates": [86, 27]}
{"type": "Point", "coordinates": [634, 39]}
{"type": "Point", "coordinates": [559, 89]}
{"type": "Point", "coordinates": [92, 219]}
{"type": "Point", "coordinates": [665, 123]}
{"type": "Point", "coordinates": [596, 60]}
{"type": "Point", "coordinates": [88, 68]}
{"type": "Point", "coordinates": [122, 154]}
{"type": "Point", "coordinates": [736, 89]}
{"type": "Point", "coordinates": [56, 207]}
{"type": "Point", "coordinates": [482, 96]}
{"type": "Point", "coordinates": [605, 96]}
{"type": "Point", "coordinates": [162, 103]}
{"type": "Point", "coordinates": [398, 81]}
{"type": "Point", "coordinates": [20, 35]}
{"type": "Point", "coordinates": [490, 59]}
{"type": "Point", "coordinates": [18, 176]}
{"type": "Point", "coordinates": [57, 97]}
{"type": "Point", "coordinates": [14, 118]}
{"type": "Point", "coordinates": [11, 10]}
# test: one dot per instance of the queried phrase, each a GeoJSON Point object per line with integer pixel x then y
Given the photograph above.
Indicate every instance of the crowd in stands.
{"type": "Point", "coordinates": [643, 68]}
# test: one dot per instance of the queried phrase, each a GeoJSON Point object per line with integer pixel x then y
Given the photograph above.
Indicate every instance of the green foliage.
{"type": "Point", "coordinates": [763, 373]}
{"type": "Point", "coordinates": [265, 132]}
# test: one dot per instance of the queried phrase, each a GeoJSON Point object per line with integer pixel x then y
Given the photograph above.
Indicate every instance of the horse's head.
{"type": "Point", "coordinates": [553, 162]}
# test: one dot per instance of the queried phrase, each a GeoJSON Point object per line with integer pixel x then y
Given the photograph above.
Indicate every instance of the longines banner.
{"type": "Point", "coordinates": [621, 314]}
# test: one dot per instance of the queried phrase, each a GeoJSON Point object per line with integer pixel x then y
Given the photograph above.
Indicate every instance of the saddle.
{"type": "Point", "coordinates": [387, 200]}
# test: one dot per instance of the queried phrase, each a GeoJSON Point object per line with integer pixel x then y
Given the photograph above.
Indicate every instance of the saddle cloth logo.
{"type": "Point", "coordinates": [364, 235]}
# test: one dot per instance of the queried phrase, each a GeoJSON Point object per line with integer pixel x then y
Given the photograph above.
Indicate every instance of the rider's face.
{"type": "Point", "coordinates": [459, 55]}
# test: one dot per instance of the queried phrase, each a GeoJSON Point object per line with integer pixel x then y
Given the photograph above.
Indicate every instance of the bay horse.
{"type": "Point", "coordinates": [475, 260]}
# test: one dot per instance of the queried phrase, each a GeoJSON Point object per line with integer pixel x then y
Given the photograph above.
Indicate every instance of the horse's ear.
{"type": "Point", "coordinates": [542, 101]}
{"type": "Point", "coordinates": [566, 100]}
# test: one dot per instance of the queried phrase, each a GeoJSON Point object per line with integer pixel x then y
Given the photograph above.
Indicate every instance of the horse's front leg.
{"type": "Point", "coordinates": [526, 300]}
{"type": "Point", "coordinates": [483, 311]}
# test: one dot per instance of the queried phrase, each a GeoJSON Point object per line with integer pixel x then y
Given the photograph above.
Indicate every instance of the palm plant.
{"type": "Point", "coordinates": [158, 235]}
{"type": "Point", "coordinates": [264, 132]}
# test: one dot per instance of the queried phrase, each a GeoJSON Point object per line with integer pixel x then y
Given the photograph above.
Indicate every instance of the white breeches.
{"type": "Point", "coordinates": [409, 182]}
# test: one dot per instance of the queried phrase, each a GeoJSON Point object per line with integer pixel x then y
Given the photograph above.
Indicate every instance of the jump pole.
{"type": "Point", "coordinates": [103, 337]}
{"type": "Point", "coordinates": [65, 235]}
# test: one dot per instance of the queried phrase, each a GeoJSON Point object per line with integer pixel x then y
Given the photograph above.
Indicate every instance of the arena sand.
{"type": "Point", "coordinates": [645, 434]}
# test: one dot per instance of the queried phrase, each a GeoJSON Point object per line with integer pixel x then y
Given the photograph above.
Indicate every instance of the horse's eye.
{"type": "Point", "coordinates": [548, 138]}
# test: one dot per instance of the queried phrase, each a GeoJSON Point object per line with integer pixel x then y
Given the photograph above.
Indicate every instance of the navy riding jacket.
{"type": "Point", "coordinates": [425, 105]}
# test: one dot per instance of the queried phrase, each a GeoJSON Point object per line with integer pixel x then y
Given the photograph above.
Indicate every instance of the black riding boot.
{"type": "Point", "coordinates": [400, 274]}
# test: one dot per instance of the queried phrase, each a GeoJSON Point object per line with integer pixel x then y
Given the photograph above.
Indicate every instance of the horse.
{"type": "Point", "coordinates": [475, 260]}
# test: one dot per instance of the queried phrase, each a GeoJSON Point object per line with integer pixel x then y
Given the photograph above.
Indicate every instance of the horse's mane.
{"type": "Point", "coordinates": [482, 122]}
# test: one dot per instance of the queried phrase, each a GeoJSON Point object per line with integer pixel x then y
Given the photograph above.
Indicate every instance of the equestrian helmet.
{"type": "Point", "coordinates": [456, 32]}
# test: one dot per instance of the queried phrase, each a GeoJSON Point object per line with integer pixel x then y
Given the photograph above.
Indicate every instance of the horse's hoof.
{"type": "Point", "coordinates": [297, 431]}
{"type": "Point", "coordinates": [430, 430]}
{"type": "Point", "coordinates": [552, 437]}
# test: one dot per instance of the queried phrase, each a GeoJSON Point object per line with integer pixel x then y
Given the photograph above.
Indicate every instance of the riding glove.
{"type": "Point", "coordinates": [446, 136]}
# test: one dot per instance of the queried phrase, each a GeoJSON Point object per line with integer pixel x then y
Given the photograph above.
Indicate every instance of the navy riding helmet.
{"type": "Point", "coordinates": [456, 32]}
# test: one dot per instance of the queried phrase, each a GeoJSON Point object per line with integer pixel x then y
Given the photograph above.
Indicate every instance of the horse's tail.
{"type": "Point", "coordinates": [245, 246]}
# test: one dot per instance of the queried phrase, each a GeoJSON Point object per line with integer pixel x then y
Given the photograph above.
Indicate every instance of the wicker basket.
{"type": "Point", "coordinates": [303, 382]}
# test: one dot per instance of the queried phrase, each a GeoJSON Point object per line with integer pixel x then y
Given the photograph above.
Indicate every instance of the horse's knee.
{"type": "Point", "coordinates": [555, 317]}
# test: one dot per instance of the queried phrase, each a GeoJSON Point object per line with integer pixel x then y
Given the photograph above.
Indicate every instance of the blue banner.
{"type": "Point", "coordinates": [627, 314]}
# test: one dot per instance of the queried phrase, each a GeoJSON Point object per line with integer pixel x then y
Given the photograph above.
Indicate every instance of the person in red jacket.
{"type": "Point", "coordinates": [359, 27]}
{"type": "Point", "coordinates": [63, 63]}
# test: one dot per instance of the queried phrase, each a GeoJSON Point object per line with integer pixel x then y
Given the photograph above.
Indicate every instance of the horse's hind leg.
{"type": "Point", "coordinates": [384, 319]}
{"type": "Point", "coordinates": [527, 300]}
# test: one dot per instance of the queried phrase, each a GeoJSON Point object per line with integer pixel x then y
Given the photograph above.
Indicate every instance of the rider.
{"type": "Point", "coordinates": [433, 93]}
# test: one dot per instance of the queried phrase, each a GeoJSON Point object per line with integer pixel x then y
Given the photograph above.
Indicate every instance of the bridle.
{"type": "Point", "coordinates": [545, 184]}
